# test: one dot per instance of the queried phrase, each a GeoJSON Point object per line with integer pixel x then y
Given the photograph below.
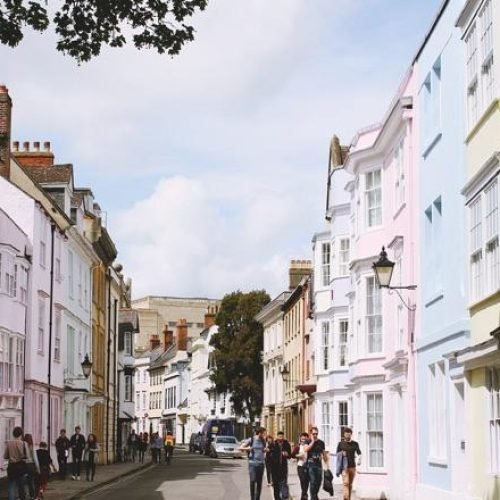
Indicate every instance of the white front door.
{"type": "Point", "coordinates": [458, 444]}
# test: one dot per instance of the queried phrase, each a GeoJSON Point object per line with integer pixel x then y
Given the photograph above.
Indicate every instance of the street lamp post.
{"type": "Point", "coordinates": [383, 269]}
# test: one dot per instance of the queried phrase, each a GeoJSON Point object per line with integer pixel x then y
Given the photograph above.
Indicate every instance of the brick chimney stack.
{"type": "Point", "coordinates": [181, 336]}
{"type": "Point", "coordinates": [154, 341]}
{"type": "Point", "coordinates": [210, 316]}
{"type": "Point", "coordinates": [298, 270]}
{"type": "Point", "coordinates": [32, 155]}
{"type": "Point", "coordinates": [5, 130]}
{"type": "Point", "coordinates": [168, 338]}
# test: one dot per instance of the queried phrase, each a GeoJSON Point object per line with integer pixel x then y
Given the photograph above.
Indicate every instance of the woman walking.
{"type": "Point", "coordinates": [269, 447]}
{"type": "Point", "coordinates": [45, 463]}
{"type": "Point", "coordinates": [91, 450]}
{"type": "Point", "coordinates": [33, 469]}
{"type": "Point", "coordinates": [143, 446]}
{"type": "Point", "coordinates": [15, 454]}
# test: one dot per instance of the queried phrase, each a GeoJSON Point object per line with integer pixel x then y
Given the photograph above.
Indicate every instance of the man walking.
{"type": "Point", "coordinates": [62, 449]}
{"type": "Point", "coordinates": [349, 449]}
{"type": "Point", "coordinates": [280, 454]}
{"type": "Point", "coordinates": [316, 452]}
{"type": "Point", "coordinates": [132, 444]}
{"type": "Point", "coordinates": [256, 446]}
{"type": "Point", "coordinates": [15, 454]}
{"type": "Point", "coordinates": [77, 443]}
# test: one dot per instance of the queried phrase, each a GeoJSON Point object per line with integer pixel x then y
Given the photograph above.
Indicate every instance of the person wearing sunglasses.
{"type": "Point", "coordinates": [316, 452]}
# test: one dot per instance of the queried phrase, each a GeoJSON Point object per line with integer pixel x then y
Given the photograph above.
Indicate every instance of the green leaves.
{"type": "Point", "coordinates": [85, 26]}
{"type": "Point", "coordinates": [238, 346]}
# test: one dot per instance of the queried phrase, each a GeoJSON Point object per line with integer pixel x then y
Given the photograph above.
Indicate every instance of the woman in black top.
{"type": "Point", "coordinates": [269, 446]}
{"type": "Point", "coordinates": [45, 463]}
{"type": "Point", "coordinates": [91, 450]}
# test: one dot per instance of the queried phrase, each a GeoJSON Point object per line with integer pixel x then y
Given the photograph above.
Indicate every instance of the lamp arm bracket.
{"type": "Point", "coordinates": [407, 287]}
{"type": "Point", "coordinates": [405, 303]}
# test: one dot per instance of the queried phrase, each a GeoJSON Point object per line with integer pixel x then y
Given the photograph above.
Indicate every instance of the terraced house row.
{"type": "Point", "coordinates": [61, 293]}
{"type": "Point", "coordinates": [413, 367]}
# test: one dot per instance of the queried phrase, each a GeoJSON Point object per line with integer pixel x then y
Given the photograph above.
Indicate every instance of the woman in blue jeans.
{"type": "Point", "coordinates": [316, 452]}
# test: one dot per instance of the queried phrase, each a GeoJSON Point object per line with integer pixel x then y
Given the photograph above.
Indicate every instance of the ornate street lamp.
{"type": "Point", "coordinates": [383, 269]}
{"type": "Point", "coordinates": [285, 374]}
{"type": "Point", "coordinates": [86, 366]}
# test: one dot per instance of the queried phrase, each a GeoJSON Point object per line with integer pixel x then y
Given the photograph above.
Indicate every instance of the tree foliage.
{"type": "Point", "coordinates": [84, 26]}
{"type": "Point", "coordinates": [238, 346]}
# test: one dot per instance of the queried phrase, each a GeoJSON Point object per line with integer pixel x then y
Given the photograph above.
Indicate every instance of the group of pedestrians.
{"type": "Point", "coordinates": [138, 444]}
{"type": "Point", "coordinates": [28, 470]}
{"type": "Point", "coordinates": [313, 463]}
{"type": "Point", "coordinates": [81, 449]}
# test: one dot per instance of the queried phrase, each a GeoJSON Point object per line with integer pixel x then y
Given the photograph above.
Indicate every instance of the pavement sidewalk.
{"type": "Point", "coordinates": [294, 485]}
{"type": "Point", "coordinates": [69, 489]}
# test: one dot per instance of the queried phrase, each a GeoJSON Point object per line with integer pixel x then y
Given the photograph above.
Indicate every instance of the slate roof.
{"type": "Point", "coordinates": [49, 175]}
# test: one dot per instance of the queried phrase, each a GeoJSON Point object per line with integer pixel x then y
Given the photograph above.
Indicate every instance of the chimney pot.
{"type": "Point", "coordinates": [26, 146]}
{"type": "Point", "coordinates": [46, 146]}
{"type": "Point", "coordinates": [36, 146]}
{"type": "Point", "coordinates": [15, 145]}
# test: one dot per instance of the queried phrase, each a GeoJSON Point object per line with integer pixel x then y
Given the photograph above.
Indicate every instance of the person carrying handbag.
{"type": "Point", "coordinates": [15, 453]}
{"type": "Point", "coordinates": [281, 452]}
{"type": "Point", "coordinates": [33, 469]}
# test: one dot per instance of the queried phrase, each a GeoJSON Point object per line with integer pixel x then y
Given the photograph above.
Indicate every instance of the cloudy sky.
{"type": "Point", "coordinates": [212, 166]}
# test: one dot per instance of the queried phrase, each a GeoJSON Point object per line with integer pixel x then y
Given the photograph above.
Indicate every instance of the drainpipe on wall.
{"type": "Point", "coordinates": [108, 354]}
{"type": "Point", "coordinates": [115, 398]}
{"type": "Point", "coordinates": [28, 297]}
{"type": "Point", "coordinates": [51, 307]}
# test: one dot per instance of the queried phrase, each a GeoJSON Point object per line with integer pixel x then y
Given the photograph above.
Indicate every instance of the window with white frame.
{"type": "Point", "coordinates": [343, 342]}
{"type": "Point", "coordinates": [487, 76]}
{"type": "Point", "coordinates": [41, 325]}
{"type": "Point", "coordinates": [343, 409]}
{"type": "Point", "coordinates": [480, 64]}
{"type": "Point", "coordinates": [344, 256]}
{"type": "Point", "coordinates": [373, 198]}
{"type": "Point", "coordinates": [433, 244]}
{"type": "Point", "coordinates": [375, 429]}
{"type": "Point", "coordinates": [20, 365]}
{"type": "Point", "coordinates": [137, 400]}
{"type": "Point", "coordinates": [325, 344]}
{"type": "Point", "coordinates": [128, 387]}
{"type": "Point", "coordinates": [437, 411]}
{"type": "Point", "coordinates": [10, 365]}
{"type": "Point", "coordinates": [57, 255]}
{"type": "Point", "coordinates": [127, 342]}
{"type": "Point", "coordinates": [70, 274]}
{"type": "Point", "coordinates": [472, 77]}
{"type": "Point", "coordinates": [325, 422]}
{"type": "Point", "coordinates": [23, 285]}
{"type": "Point", "coordinates": [80, 283]}
{"type": "Point", "coordinates": [4, 354]}
{"type": "Point", "coordinates": [431, 96]}
{"type": "Point", "coordinates": [484, 243]}
{"type": "Point", "coordinates": [70, 357]}
{"type": "Point", "coordinates": [491, 243]}
{"type": "Point", "coordinates": [144, 400]}
{"type": "Point", "coordinates": [493, 386]}
{"type": "Point", "coordinates": [399, 174]}
{"type": "Point", "coordinates": [373, 315]}
{"type": "Point", "coordinates": [10, 275]}
{"type": "Point", "coordinates": [57, 337]}
{"type": "Point", "coordinates": [325, 264]}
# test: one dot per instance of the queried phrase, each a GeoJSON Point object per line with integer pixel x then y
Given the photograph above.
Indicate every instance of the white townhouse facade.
{"type": "Point", "coordinates": [331, 259]}
{"type": "Point", "coordinates": [176, 404]}
{"type": "Point", "coordinates": [44, 362]}
{"type": "Point", "coordinates": [15, 274]}
{"type": "Point", "coordinates": [141, 387]}
{"type": "Point", "coordinates": [271, 318]}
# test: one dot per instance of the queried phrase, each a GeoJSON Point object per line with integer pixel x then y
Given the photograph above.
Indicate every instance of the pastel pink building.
{"type": "Point", "coordinates": [15, 252]}
{"type": "Point", "coordinates": [381, 353]}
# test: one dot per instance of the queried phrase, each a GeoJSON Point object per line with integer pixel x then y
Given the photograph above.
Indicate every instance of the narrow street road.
{"type": "Point", "coordinates": [194, 477]}
{"type": "Point", "coordinates": [190, 477]}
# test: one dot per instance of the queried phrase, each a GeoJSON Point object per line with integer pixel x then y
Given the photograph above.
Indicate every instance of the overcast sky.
{"type": "Point", "coordinates": [212, 166]}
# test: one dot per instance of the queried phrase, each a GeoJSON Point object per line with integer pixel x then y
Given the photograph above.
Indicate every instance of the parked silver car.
{"type": "Point", "coordinates": [225, 446]}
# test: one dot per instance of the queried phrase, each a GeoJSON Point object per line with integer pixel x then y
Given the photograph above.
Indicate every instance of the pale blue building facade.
{"type": "Point", "coordinates": [442, 314]}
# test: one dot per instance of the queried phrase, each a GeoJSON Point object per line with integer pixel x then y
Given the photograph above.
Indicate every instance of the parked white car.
{"type": "Point", "coordinates": [225, 447]}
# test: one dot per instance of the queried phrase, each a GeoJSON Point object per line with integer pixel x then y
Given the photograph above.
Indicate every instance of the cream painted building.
{"type": "Point", "coordinates": [480, 25]}
{"type": "Point", "coordinates": [156, 313]}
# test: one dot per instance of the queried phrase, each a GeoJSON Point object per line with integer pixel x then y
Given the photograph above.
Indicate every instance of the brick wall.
{"type": "Point", "coordinates": [5, 127]}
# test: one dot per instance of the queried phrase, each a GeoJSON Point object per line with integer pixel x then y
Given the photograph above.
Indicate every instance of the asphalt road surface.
{"type": "Point", "coordinates": [190, 477]}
